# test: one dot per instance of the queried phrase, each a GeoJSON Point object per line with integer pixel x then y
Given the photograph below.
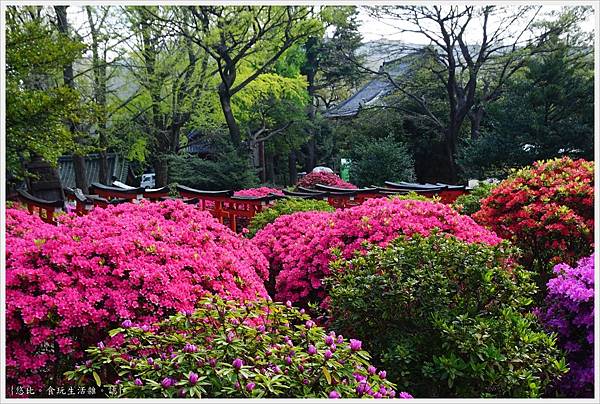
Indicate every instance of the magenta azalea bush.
{"type": "Point", "coordinates": [570, 313]}
{"type": "Point", "coordinates": [234, 349]}
{"type": "Point", "coordinates": [331, 179]}
{"type": "Point", "coordinates": [300, 247]}
{"type": "Point", "coordinates": [258, 192]}
{"type": "Point", "coordinates": [67, 285]}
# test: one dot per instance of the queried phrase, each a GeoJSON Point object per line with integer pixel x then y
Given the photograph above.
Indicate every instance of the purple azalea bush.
{"type": "Point", "coordinates": [234, 349]}
{"type": "Point", "coordinates": [570, 313]}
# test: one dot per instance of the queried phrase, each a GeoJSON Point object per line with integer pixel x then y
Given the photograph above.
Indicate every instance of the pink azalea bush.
{"type": "Point", "coordinates": [67, 285]}
{"type": "Point", "coordinates": [570, 313]}
{"type": "Point", "coordinates": [258, 192]}
{"type": "Point", "coordinates": [331, 179]}
{"type": "Point", "coordinates": [300, 247]}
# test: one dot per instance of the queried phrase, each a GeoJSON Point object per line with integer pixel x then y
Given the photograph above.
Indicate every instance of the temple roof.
{"type": "Point", "coordinates": [373, 91]}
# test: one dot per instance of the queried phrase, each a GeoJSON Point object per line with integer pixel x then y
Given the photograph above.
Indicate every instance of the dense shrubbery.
{"type": "Point", "coordinates": [67, 285]}
{"type": "Point", "coordinates": [547, 210]}
{"type": "Point", "coordinates": [375, 161]}
{"type": "Point", "coordinates": [226, 171]}
{"type": "Point", "coordinates": [331, 179]}
{"type": "Point", "coordinates": [231, 349]}
{"type": "Point", "coordinates": [299, 247]}
{"type": "Point", "coordinates": [286, 207]}
{"type": "Point", "coordinates": [258, 192]}
{"type": "Point", "coordinates": [570, 313]}
{"type": "Point", "coordinates": [470, 203]}
{"type": "Point", "coordinates": [446, 317]}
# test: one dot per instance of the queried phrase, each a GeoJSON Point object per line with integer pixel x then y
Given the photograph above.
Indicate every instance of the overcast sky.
{"type": "Point", "coordinates": [373, 29]}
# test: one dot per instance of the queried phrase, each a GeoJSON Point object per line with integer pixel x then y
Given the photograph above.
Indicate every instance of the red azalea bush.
{"type": "Point", "coordinates": [67, 285]}
{"type": "Point", "coordinates": [299, 247]}
{"type": "Point", "coordinates": [258, 192]}
{"type": "Point", "coordinates": [323, 178]}
{"type": "Point", "coordinates": [570, 313]}
{"type": "Point", "coordinates": [547, 210]}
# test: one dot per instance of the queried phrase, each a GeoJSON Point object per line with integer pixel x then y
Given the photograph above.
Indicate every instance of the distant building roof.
{"type": "Point", "coordinates": [200, 142]}
{"type": "Point", "coordinates": [372, 92]}
{"type": "Point", "coordinates": [117, 167]}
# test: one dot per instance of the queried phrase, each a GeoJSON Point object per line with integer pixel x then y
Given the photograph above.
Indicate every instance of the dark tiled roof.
{"type": "Point", "coordinates": [117, 166]}
{"type": "Point", "coordinates": [372, 92]}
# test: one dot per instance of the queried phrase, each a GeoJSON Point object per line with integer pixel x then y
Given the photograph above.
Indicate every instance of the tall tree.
{"type": "Point", "coordinates": [237, 35]}
{"type": "Point", "coordinates": [96, 20]}
{"type": "Point", "coordinates": [37, 102]}
{"type": "Point", "coordinates": [169, 71]}
{"type": "Point", "coordinates": [326, 68]}
{"type": "Point", "coordinates": [472, 71]}
{"type": "Point", "coordinates": [546, 111]}
{"type": "Point", "coordinates": [79, 166]}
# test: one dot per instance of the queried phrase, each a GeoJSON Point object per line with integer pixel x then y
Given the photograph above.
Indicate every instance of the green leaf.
{"type": "Point", "coordinates": [327, 375]}
{"type": "Point", "coordinates": [96, 378]}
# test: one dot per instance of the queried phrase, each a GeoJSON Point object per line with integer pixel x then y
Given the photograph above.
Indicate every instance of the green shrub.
{"type": "Point", "coordinates": [470, 203]}
{"type": "Point", "coordinates": [228, 170]}
{"type": "Point", "coordinates": [446, 317]}
{"type": "Point", "coordinates": [233, 349]}
{"type": "Point", "coordinates": [286, 207]}
{"type": "Point", "coordinates": [412, 195]}
{"type": "Point", "coordinates": [375, 161]}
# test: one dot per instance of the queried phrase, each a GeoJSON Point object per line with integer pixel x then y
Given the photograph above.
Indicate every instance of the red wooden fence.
{"type": "Point", "coordinates": [233, 211]}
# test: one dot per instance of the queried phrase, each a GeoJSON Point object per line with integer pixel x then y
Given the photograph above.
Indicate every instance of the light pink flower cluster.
{"type": "Point", "coordinates": [258, 192]}
{"type": "Point", "coordinates": [323, 178]}
{"type": "Point", "coordinates": [67, 285]}
{"type": "Point", "coordinates": [299, 246]}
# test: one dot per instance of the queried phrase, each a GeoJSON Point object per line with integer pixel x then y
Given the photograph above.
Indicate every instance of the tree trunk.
{"type": "Point", "coordinates": [78, 160]}
{"type": "Point", "coordinates": [475, 116]}
{"type": "Point", "coordinates": [161, 170]}
{"type": "Point", "coordinates": [270, 168]}
{"type": "Point", "coordinates": [449, 148]}
{"type": "Point", "coordinates": [262, 162]}
{"type": "Point", "coordinates": [293, 172]}
{"type": "Point", "coordinates": [104, 176]}
{"type": "Point", "coordinates": [81, 181]}
{"type": "Point", "coordinates": [234, 129]}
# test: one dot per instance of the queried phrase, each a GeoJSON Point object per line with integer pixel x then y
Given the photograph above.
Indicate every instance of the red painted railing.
{"type": "Point", "coordinates": [235, 212]}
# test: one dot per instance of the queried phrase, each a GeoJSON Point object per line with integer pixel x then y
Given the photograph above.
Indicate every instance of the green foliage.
{"type": "Point", "coordinates": [228, 349]}
{"type": "Point", "coordinates": [448, 318]}
{"type": "Point", "coordinates": [378, 160]}
{"type": "Point", "coordinates": [412, 195]}
{"type": "Point", "coordinates": [37, 108]}
{"type": "Point", "coordinates": [286, 207]}
{"type": "Point", "coordinates": [470, 203]}
{"type": "Point", "coordinates": [545, 112]}
{"type": "Point", "coordinates": [226, 171]}
{"type": "Point", "coordinates": [271, 100]}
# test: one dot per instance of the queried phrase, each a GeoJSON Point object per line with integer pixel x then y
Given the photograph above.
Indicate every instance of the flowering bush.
{"type": "Point", "coordinates": [470, 203]}
{"type": "Point", "coordinates": [286, 207]}
{"type": "Point", "coordinates": [323, 178]}
{"type": "Point", "coordinates": [66, 285]}
{"type": "Point", "coordinates": [446, 317]}
{"type": "Point", "coordinates": [231, 349]}
{"type": "Point", "coordinates": [299, 247]}
{"type": "Point", "coordinates": [570, 313]}
{"type": "Point", "coordinates": [258, 192]}
{"type": "Point", "coordinates": [546, 210]}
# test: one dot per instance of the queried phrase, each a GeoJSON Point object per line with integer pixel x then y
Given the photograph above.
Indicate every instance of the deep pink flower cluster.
{"type": "Point", "coordinates": [258, 192]}
{"type": "Point", "coordinates": [570, 313]}
{"type": "Point", "coordinates": [67, 285]}
{"type": "Point", "coordinates": [323, 178]}
{"type": "Point", "coordinates": [299, 247]}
